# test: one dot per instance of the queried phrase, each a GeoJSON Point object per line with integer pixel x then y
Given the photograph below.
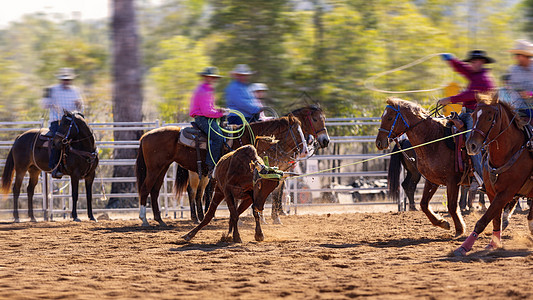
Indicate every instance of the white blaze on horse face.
{"type": "Point", "coordinates": [304, 151]}
{"type": "Point", "coordinates": [384, 113]}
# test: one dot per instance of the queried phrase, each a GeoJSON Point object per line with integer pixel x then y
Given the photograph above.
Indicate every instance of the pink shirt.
{"type": "Point", "coordinates": [203, 102]}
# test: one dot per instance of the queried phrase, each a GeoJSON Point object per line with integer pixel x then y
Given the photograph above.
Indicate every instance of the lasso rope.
{"type": "Point", "coordinates": [369, 83]}
{"type": "Point", "coordinates": [383, 155]}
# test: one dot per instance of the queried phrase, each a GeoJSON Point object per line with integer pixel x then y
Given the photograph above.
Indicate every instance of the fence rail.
{"type": "Point", "coordinates": [328, 182]}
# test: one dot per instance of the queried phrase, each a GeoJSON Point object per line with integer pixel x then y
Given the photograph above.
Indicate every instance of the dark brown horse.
{"type": "Point", "coordinates": [159, 148]}
{"type": "Point", "coordinates": [435, 161]}
{"type": "Point", "coordinates": [507, 165]}
{"type": "Point", "coordinates": [237, 178]}
{"type": "Point", "coordinates": [78, 153]}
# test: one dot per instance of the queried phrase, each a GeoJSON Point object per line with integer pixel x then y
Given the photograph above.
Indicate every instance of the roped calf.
{"type": "Point", "coordinates": [242, 174]}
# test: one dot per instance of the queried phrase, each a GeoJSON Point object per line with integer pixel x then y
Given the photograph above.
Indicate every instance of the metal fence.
{"type": "Point", "coordinates": [326, 188]}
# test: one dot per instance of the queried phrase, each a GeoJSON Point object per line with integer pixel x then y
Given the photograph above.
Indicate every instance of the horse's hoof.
{"type": "Point", "coordinates": [412, 208]}
{"type": "Point", "coordinates": [259, 237]}
{"type": "Point", "coordinates": [93, 219]}
{"type": "Point", "coordinates": [145, 224]}
{"type": "Point", "coordinates": [277, 221]}
{"type": "Point", "coordinates": [33, 220]}
{"type": "Point", "coordinates": [493, 246]}
{"type": "Point", "coordinates": [17, 220]}
{"type": "Point", "coordinates": [162, 224]}
{"type": "Point", "coordinates": [187, 237]}
{"type": "Point", "coordinates": [444, 224]}
{"type": "Point", "coordinates": [76, 220]}
{"type": "Point", "coordinates": [459, 233]}
{"type": "Point", "coordinates": [459, 252]}
{"type": "Point", "coordinates": [237, 240]}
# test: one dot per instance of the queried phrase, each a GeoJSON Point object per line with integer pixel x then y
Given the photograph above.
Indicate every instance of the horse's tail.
{"type": "Point", "coordinates": [140, 168]}
{"type": "Point", "coordinates": [181, 182]}
{"type": "Point", "coordinates": [395, 167]}
{"type": "Point", "coordinates": [7, 175]}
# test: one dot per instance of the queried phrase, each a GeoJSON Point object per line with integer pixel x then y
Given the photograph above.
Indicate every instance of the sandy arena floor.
{"type": "Point", "coordinates": [371, 255]}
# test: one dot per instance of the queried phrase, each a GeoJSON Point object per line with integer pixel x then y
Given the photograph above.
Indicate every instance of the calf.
{"type": "Point", "coordinates": [242, 174]}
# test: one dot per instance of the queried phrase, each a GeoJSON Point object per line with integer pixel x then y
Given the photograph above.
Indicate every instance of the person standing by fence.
{"type": "Point", "coordinates": [57, 99]}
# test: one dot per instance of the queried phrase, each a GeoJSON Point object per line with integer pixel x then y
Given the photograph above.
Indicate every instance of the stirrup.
{"type": "Point", "coordinates": [57, 174]}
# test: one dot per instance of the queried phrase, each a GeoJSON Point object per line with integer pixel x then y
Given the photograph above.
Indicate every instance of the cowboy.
{"type": "Point", "coordinates": [57, 99]}
{"type": "Point", "coordinates": [520, 79]}
{"type": "Point", "coordinates": [479, 81]}
{"type": "Point", "coordinates": [205, 114]}
{"type": "Point", "coordinates": [240, 98]}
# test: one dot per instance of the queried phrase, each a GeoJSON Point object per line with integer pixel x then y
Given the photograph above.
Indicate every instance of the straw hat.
{"type": "Point", "coordinates": [242, 69]}
{"type": "Point", "coordinates": [66, 74]}
{"type": "Point", "coordinates": [258, 87]}
{"type": "Point", "coordinates": [479, 54]}
{"type": "Point", "coordinates": [522, 47]}
{"type": "Point", "coordinates": [210, 72]}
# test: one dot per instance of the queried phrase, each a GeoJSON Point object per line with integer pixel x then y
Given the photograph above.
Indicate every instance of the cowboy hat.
{"type": "Point", "coordinates": [479, 54]}
{"type": "Point", "coordinates": [210, 72]}
{"type": "Point", "coordinates": [66, 74]}
{"type": "Point", "coordinates": [522, 47]}
{"type": "Point", "coordinates": [258, 87]}
{"type": "Point", "coordinates": [242, 69]}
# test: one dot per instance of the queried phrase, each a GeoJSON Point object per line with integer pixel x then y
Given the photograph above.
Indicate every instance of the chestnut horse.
{"type": "Point", "coordinates": [507, 165]}
{"type": "Point", "coordinates": [160, 147]}
{"type": "Point", "coordinates": [237, 178]}
{"type": "Point", "coordinates": [435, 161]}
{"type": "Point", "coordinates": [313, 123]}
{"type": "Point", "coordinates": [79, 157]}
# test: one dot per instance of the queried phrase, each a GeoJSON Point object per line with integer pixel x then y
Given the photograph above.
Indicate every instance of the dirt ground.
{"type": "Point", "coordinates": [371, 255]}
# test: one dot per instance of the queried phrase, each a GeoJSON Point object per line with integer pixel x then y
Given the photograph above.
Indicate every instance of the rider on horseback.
{"type": "Point", "coordinates": [57, 99]}
{"type": "Point", "coordinates": [239, 96]}
{"type": "Point", "coordinates": [479, 81]}
{"type": "Point", "coordinates": [520, 80]}
{"type": "Point", "coordinates": [205, 114]}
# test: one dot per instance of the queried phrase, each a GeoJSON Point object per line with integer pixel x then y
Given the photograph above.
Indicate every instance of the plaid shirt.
{"type": "Point", "coordinates": [59, 98]}
{"type": "Point", "coordinates": [521, 79]}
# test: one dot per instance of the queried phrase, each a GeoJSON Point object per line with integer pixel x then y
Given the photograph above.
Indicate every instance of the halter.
{"type": "Point", "coordinates": [398, 114]}
{"type": "Point", "coordinates": [308, 118]}
{"type": "Point", "coordinates": [289, 153]}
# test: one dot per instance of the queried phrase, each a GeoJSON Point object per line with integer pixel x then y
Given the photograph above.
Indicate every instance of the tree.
{"type": "Point", "coordinates": [127, 88]}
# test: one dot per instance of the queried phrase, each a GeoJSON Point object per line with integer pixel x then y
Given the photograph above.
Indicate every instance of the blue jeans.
{"type": "Point", "coordinates": [469, 124]}
{"type": "Point", "coordinates": [54, 153]}
{"type": "Point", "coordinates": [215, 141]}
{"type": "Point", "coordinates": [236, 120]}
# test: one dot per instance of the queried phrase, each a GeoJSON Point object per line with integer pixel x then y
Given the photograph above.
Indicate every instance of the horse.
{"type": "Point", "coordinates": [435, 161]}
{"type": "Point", "coordinates": [238, 177]}
{"type": "Point", "coordinates": [78, 155]}
{"type": "Point", "coordinates": [313, 123]}
{"type": "Point", "coordinates": [160, 147]}
{"type": "Point", "coordinates": [508, 165]}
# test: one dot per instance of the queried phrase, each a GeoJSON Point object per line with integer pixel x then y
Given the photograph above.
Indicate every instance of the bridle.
{"type": "Point", "coordinates": [486, 135]}
{"type": "Point", "coordinates": [316, 132]}
{"type": "Point", "coordinates": [399, 115]}
{"type": "Point", "coordinates": [290, 153]}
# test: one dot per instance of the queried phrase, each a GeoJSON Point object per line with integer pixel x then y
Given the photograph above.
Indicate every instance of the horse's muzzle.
{"type": "Point", "coordinates": [472, 148]}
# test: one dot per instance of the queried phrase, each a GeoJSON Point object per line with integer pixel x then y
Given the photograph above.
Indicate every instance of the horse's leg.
{"type": "Point", "coordinates": [508, 211]}
{"type": "Point", "coordinates": [233, 216]}
{"type": "Point", "coordinates": [208, 193]}
{"type": "Point", "coordinates": [493, 211]}
{"type": "Point", "coordinates": [472, 192]}
{"type": "Point", "coordinates": [243, 206]}
{"type": "Point", "coordinates": [217, 198]}
{"type": "Point", "coordinates": [75, 182]}
{"type": "Point", "coordinates": [414, 178]}
{"type": "Point", "coordinates": [34, 179]}
{"type": "Point", "coordinates": [463, 197]}
{"type": "Point", "coordinates": [496, 241]}
{"type": "Point", "coordinates": [154, 195]}
{"type": "Point", "coordinates": [89, 192]}
{"type": "Point", "coordinates": [277, 208]}
{"type": "Point", "coordinates": [453, 193]}
{"type": "Point", "coordinates": [144, 191]}
{"type": "Point", "coordinates": [199, 196]}
{"type": "Point", "coordinates": [259, 236]}
{"type": "Point", "coordinates": [192, 190]}
{"type": "Point", "coordinates": [429, 190]}
{"type": "Point", "coordinates": [530, 217]}
{"type": "Point", "coordinates": [19, 177]}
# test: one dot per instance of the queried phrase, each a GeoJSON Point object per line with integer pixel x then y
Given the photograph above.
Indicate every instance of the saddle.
{"type": "Point", "coordinates": [196, 138]}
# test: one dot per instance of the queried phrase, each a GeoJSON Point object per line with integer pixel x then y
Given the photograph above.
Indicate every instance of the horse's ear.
{"type": "Point", "coordinates": [291, 117]}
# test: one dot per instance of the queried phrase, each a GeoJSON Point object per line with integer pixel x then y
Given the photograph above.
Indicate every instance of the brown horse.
{"type": "Point", "coordinates": [435, 161]}
{"type": "Point", "coordinates": [237, 178]}
{"type": "Point", "coordinates": [159, 148]}
{"type": "Point", "coordinates": [313, 123]}
{"type": "Point", "coordinates": [507, 165]}
{"type": "Point", "coordinates": [79, 156]}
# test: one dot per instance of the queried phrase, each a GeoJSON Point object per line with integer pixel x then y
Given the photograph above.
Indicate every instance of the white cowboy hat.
{"type": "Point", "coordinates": [242, 69]}
{"type": "Point", "coordinates": [522, 47]}
{"type": "Point", "coordinates": [66, 74]}
{"type": "Point", "coordinates": [258, 87]}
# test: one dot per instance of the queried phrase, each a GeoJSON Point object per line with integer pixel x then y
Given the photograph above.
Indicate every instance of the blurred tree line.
{"type": "Point", "coordinates": [326, 49]}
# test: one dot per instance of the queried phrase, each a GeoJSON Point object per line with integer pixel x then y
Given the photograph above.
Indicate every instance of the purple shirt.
{"type": "Point", "coordinates": [478, 82]}
{"type": "Point", "coordinates": [203, 102]}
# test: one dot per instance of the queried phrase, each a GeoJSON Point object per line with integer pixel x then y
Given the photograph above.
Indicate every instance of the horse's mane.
{"type": "Point", "coordinates": [415, 108]}
{"type": "Point", "coordinates": [312, 107]}
{"type": "Point", "coordinates": [494, 99]}
{"type": "Point", "coordinates": [285, 121]}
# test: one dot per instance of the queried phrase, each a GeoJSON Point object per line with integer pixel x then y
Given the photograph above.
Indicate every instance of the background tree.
{"type": "Point", "coordinates": [127, 88]}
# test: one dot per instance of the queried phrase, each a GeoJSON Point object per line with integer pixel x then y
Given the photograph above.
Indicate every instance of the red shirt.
{"type": "Point", "coordinates": [478, 82]}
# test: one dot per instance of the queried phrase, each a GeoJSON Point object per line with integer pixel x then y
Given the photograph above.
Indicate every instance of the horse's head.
{"type": "Point", "coordinates": [393, 123]}
{"type": "Point", "coordinates": [313, 123]}
{"type": "Point", "coordinates": [297, 142]}
{"type": "Point", "coordinates": [72, 126]}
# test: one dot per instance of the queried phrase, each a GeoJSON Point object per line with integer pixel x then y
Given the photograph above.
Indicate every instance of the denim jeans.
{"type": "Point", "coordinates": [236, 120]}
{"type": "Point", "coordinates": [466, 117]}
{"type": "Point", "coordinates": [54, 153]}
{"type": "Point", "coordinates": [215, 141]}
